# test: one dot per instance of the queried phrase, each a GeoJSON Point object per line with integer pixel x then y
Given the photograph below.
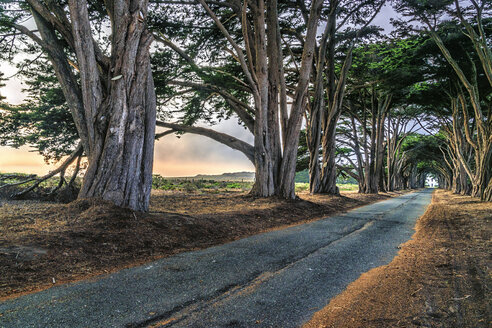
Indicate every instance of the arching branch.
{"type": "Point", "coordinates": [223, 138]}
{"type": "Point", "coordinates": [348, 171]}
{"type": "Point", "coordinates": [239, 51]}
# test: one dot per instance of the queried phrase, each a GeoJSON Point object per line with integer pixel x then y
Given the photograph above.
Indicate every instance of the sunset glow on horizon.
{"type": "Point", "coordinates": [188, 155]}
{"type": "Point", "coordinates": [25, 161]}
{"type": "Point", "coordinates": [22, 161]}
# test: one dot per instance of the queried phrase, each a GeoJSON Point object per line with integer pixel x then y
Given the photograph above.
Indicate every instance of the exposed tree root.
{"type": "Point", "coordinates": [487, 194]}
{"type": "Point", "coordinates": [75, 155]}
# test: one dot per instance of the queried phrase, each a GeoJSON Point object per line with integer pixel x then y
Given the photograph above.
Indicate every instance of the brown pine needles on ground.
{"type": "Point", "coordinates": [441, 278]}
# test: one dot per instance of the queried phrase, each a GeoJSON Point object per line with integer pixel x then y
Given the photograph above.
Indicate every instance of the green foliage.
{"type": "Point", "coordinates": [425, 151]}
{"type": "Point", "coordinates": [428, 8]}
{"type": "Point", "coordinates": [187, 90]}
{"type": "Point", "coordinates": [302, 176]}
{"type": "Point", "coordinates": [43, 121]}
{"type": "Point", "coordinates": [234, 185]}
{"type": "Point", "coordinates": [391, 66]}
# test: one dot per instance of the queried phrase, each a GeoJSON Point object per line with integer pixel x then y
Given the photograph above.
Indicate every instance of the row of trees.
{"type": "Point", "coordinates": [277, 66]}
{"type": "Point", "coordinates": [466, 120]}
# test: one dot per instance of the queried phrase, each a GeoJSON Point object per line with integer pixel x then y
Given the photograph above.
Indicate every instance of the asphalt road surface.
{"type": "Point", "coordinates": [275, 279]}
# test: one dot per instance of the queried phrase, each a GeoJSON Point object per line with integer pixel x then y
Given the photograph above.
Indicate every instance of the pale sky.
{"type": "Point", "coordinates": [186, 156]}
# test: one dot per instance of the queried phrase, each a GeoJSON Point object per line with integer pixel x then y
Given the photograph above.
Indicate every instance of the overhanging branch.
{"type": "Point", "coordinates": [223, 138]}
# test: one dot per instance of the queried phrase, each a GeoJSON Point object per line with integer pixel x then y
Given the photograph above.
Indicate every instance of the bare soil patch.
{"type": "Point", "coordinates": [44, 244]}
{"type": "Point", "coordinates": [441, 278]}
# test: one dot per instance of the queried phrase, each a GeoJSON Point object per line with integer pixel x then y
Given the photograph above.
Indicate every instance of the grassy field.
{"type": "Point", "coordinates": [181, 184]}
{"type": "Point", "coordinates": [348, 187]}
{"type": "Point", "coordinates": [13, 178]}
{"type": "Point", "coordinates": [198, 185]}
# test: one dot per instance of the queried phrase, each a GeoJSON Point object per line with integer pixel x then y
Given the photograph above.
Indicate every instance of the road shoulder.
{"type": "Point", "coordinates": [440, 278]}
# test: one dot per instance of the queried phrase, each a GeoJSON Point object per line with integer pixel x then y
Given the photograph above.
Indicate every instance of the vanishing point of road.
{"type": "Point", "coordinates": [274, 279]}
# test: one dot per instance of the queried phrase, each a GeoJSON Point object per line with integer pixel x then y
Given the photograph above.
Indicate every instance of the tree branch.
{"type": "Point", "coordinates": [75, 154]}
{"type": "Point", "coordinates": [223, 138]}
{"type": "Point", "coordinates": [239, 51]}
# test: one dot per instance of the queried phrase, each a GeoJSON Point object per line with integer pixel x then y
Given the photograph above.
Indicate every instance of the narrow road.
{"type": "Point", "coordinates": [275, 279]}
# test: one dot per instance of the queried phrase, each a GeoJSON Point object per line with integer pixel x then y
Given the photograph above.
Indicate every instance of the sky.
{"type": "Point", "coordinates": [188, 155]}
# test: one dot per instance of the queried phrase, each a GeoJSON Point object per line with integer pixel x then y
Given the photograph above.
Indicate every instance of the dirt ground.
{"type": "Point", "coordinates": [441, 278]}
{"type": "Point", "coordinates": [44, 244]}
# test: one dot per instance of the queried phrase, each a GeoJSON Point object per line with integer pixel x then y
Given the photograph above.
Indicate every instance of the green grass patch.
{"type": "Point", "coordinates": [302, 186]}
{"type": "Point", "coordinates": [198, 185]}
{"type": "Point", "coordinates": [348, 187]}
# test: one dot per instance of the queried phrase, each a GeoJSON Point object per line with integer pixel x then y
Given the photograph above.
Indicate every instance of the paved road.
{"type": "Point", "coordinates": [274, 279]}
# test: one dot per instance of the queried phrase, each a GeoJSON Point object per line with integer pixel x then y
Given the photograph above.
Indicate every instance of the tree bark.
{"type": "Point", "coordinates": [120, 111]}
{"type": "Point", "coordinates": [113, 106]}
{"type": "Point", "coordinates": [289, 159]}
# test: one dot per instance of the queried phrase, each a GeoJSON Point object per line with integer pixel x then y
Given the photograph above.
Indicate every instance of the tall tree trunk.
{"type": "Point", "coordinates": [275, 161]}
{"type": "Point", "coordinates": [330, 118]}
{"type": "Point", "coordinates": [318, 115]}
{"type": "Point", "coordinates": [316, 110]}
{"type": "Point", "coordinates": [120, 106]}
{"type": "Point", "coordinates": [484, 173]}
{"type": "Point", "coordinates": [266, 156]}
{"type": "Point", "coordinates": [335, 91]}
{"type": "Point", "coordinates": [113, 106]}
{"type": "Point", "coordinates": [291, 142]}
{"type": "Point", "coordinates": [328, 180]}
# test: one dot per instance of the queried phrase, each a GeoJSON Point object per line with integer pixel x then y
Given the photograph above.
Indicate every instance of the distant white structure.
{"type": "Point", "coordinates": [430, 182]}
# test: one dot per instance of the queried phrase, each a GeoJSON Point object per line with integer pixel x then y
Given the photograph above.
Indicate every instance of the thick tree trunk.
{"type": "Point", "coordinates": [374, 158]}
{"type": "Point", "coordinates": [119, 106]}
{"type": "Point", "coordinates": [328, 180]}
{"type": "Point", "coordinates": [265, 155]}
{"type": "Point", "coordinates": [487, 194]}
{"type": "Point", "coordinates": [275, 149]}
{"type": "Point", "coordinates": [487, 178]}
{"type": "Point", "coordinates": [455, 184]}
{"type": "Point", "coordinates": [484, 173]}
{"type": "Point", "coordinates": [323, 179]}
{"type": "Point", "coordinates": [120, 166]}
{"type": "Point", "coordinates": [317, 111]}
{"type": "Point", "coordinates": [113, 106]}
{"type": "Point", "coordinates": [413, 177]}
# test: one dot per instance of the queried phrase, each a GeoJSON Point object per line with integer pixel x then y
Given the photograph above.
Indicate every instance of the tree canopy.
{"type": "Point", "coordinates": [386, 110]}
